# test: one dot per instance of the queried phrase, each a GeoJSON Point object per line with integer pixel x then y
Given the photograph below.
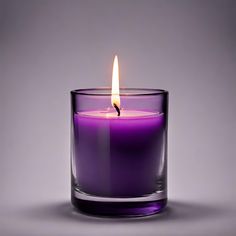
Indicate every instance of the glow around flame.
{"type": "Point", "coordinates": [115, 92]}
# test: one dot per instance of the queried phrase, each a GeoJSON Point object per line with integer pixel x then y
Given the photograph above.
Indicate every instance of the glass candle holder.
{"type": "Point", "coordinates": [119, 163]}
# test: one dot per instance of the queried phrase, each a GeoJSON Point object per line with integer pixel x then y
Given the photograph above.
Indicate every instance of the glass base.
{"type": "Point", "coordinates": [115, 207]}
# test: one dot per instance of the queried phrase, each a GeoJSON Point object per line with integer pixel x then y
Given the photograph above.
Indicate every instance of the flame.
{"type": "Point", "coordinates": [115, 92]}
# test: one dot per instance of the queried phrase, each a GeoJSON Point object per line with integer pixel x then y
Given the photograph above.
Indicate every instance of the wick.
{"type": "Point", "coordinates": [117, 109]}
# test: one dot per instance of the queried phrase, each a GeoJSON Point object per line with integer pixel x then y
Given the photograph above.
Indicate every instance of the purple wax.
{"type": "Point", "coordinates": [118, 156]}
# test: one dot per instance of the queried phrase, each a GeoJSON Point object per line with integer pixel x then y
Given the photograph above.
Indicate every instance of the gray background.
{"type": "Point", "coordinates": [48, 48]}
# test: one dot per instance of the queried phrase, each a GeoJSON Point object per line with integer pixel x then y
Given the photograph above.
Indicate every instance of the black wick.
{"type": "Point", "coordinates": [117, 109]}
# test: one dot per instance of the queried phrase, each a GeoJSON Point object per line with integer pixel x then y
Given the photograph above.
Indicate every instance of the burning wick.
{"type": "Point", "coordinates": [117, 109]}
{"type": "Point", "coordinates": [115, 90]}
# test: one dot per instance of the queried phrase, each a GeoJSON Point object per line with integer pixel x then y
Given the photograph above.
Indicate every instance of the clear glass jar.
{"type": "Point", "coordinates": [119, 163]}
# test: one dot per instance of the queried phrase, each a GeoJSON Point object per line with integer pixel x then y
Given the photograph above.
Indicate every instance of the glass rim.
{"type": "Point", "coordinates": [106, 91]}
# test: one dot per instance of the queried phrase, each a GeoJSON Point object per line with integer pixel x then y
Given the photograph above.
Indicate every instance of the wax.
{"type": "Point", "coordinates": [118, 156]}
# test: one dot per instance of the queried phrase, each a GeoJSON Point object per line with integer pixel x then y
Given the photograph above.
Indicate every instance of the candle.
{"type": "Point", "coordinates": [119, 151]}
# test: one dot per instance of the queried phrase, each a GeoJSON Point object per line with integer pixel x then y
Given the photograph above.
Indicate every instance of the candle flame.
{"type": "Point", "coordinates": [115, 92]}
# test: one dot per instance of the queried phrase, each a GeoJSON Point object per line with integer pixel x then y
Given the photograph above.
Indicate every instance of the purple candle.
{"type": "Point", "coordinates": [117, 156]}
{"type": "Point", "coordinates": [119, 150]}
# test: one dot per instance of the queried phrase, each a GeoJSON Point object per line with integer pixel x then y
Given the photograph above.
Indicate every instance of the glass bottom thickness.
{"type": "Point", "coordinates": [113, 208]}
